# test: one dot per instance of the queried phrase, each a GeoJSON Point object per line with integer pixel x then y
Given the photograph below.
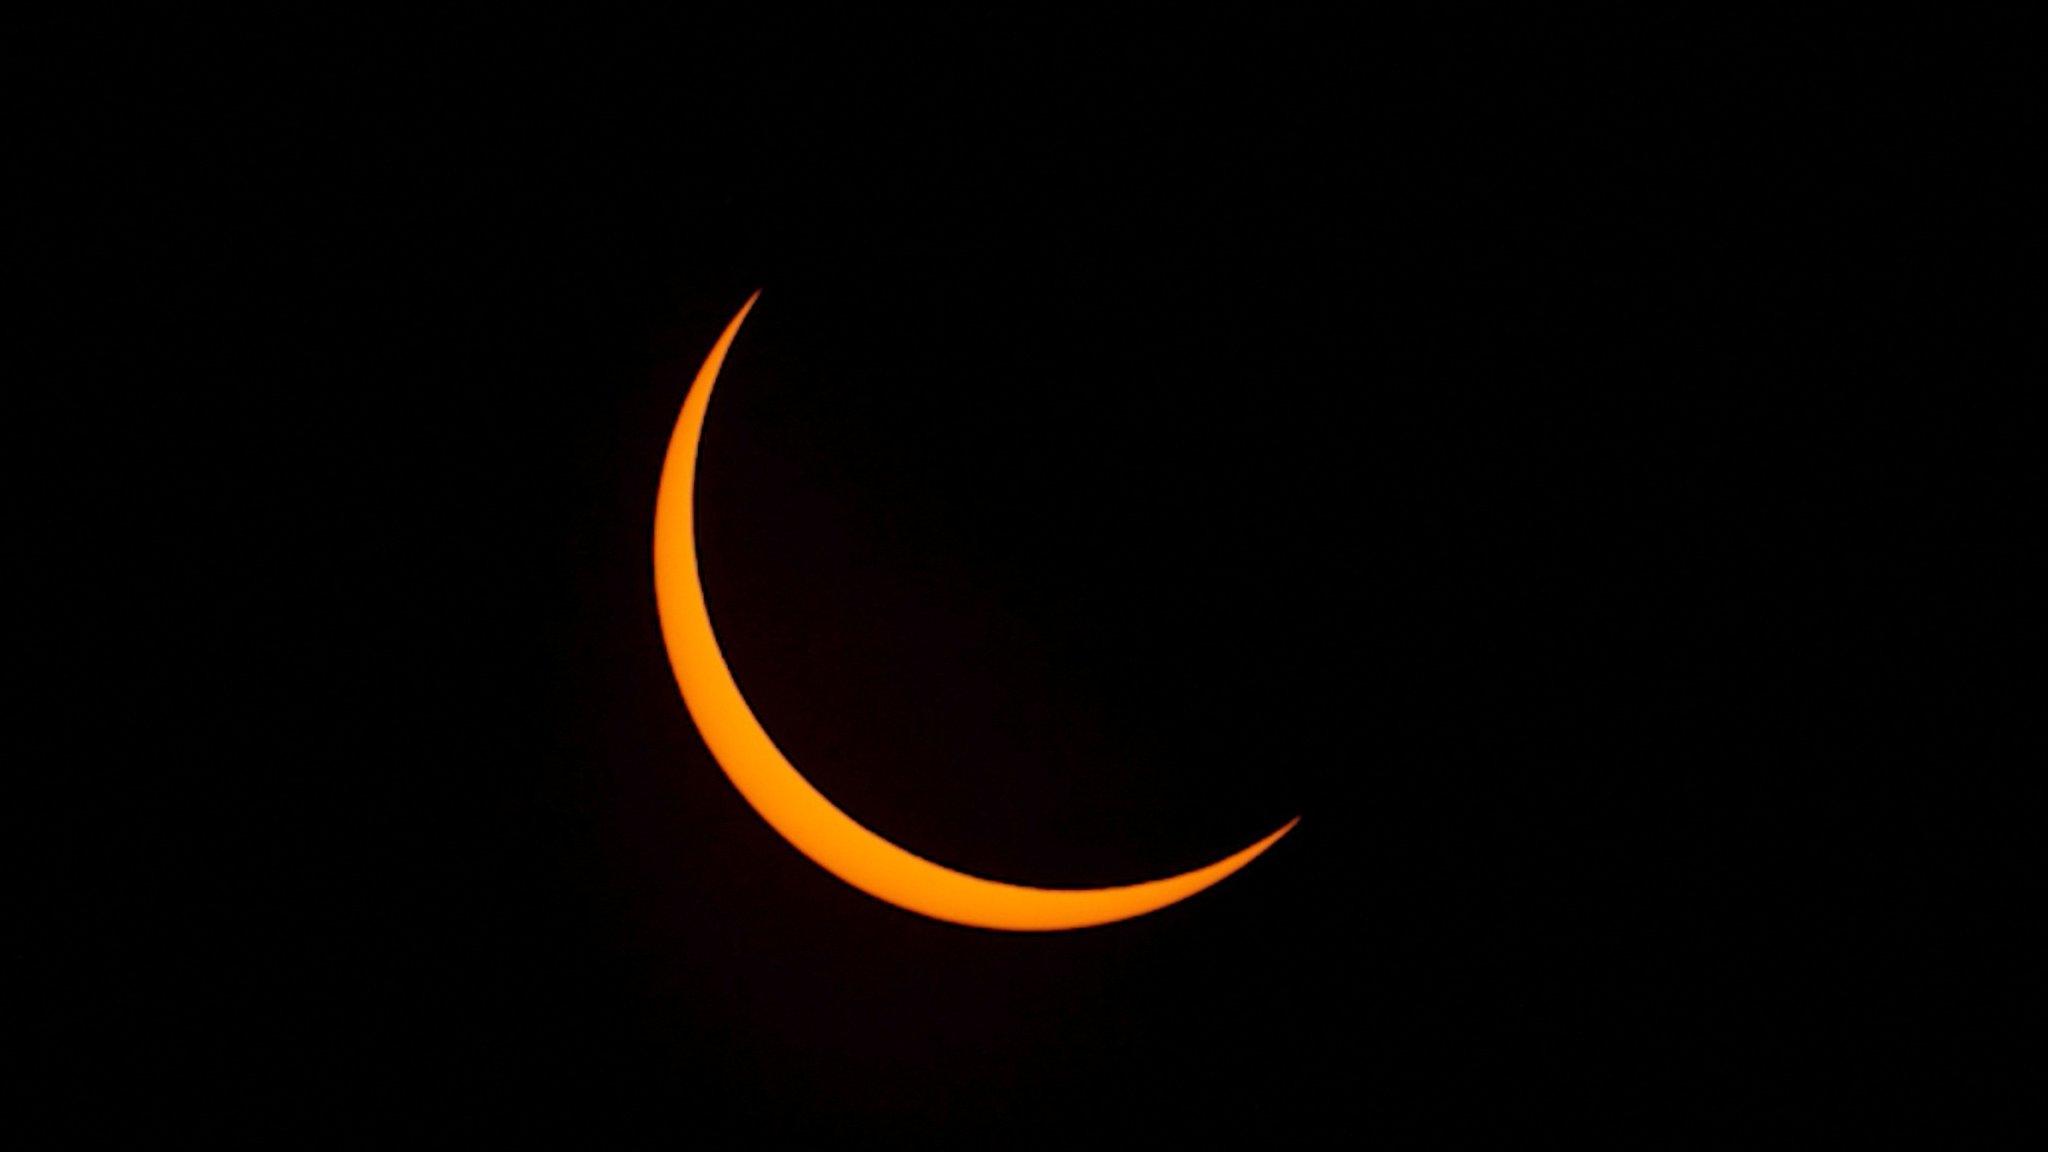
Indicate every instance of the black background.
{"type": "Point", "coordinates": [1576, 473]}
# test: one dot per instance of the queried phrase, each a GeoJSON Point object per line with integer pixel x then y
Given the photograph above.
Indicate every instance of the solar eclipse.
{"type": "Point", "coordinates": [788, 802]}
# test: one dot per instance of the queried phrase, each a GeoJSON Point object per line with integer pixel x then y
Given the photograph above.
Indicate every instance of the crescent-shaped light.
{"type": "Point", "coordinates": [818, 829]}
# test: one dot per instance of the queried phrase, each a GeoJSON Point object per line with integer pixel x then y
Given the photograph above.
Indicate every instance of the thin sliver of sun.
{"type": "Point", "coordinates": [772, 785]}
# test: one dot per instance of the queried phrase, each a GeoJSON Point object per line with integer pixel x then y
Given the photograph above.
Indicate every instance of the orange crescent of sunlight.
{"type": "Point", "coordinates": [818, 829]}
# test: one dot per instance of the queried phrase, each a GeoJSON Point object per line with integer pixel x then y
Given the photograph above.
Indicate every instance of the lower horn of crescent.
{"type": "Point", "coordinates": [818, 829]}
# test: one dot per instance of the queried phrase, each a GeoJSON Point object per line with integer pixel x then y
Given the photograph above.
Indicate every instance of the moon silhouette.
{"type": "Point", "coordinates": [772, 785]}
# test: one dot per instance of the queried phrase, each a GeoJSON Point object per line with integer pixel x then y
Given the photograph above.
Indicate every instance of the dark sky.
{"type": "Point", "coordinates": [1574, 473]}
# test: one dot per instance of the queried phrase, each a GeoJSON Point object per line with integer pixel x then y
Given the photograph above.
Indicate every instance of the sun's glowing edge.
{"type": "Point", "coordinates": [772, 785]}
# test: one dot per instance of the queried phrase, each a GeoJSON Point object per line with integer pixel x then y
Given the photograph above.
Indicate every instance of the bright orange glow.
{"type": "Point", "coordinates": [831, 838]}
